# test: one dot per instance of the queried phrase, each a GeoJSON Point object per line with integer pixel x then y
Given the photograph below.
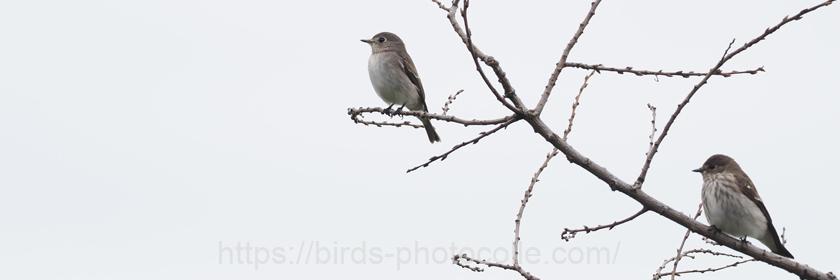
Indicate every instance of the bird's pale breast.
{"type": "Point", "coordinates": [390, 81]}
{"type": "Point", "coordinates": [731, 211]}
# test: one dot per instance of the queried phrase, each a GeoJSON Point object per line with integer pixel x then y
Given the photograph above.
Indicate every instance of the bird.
{"type": "Point", "coordinates": [394, 77]}
{"type": "Point", "coordinates": [731, 203]}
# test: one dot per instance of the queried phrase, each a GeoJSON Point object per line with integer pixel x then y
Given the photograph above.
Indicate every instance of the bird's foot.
{"type": "Point", "coordinates": [399, 110]}
{"type": "Point", "coordinates": [388, 111]}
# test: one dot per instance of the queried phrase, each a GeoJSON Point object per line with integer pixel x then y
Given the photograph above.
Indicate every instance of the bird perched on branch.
{"type": "Point", "coordinates": [395, 78]}
{"type": "Point", "coordinates": [732, 204]}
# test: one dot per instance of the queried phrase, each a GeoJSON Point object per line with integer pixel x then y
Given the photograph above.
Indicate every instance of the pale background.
{"type": "Point", "coordinates": [139, 137]}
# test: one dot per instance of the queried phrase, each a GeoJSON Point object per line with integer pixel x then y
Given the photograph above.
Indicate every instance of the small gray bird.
{"type": "Point", "coordinates": [732, 205]}
{"type": "Point", "coordinates": [395, 78]}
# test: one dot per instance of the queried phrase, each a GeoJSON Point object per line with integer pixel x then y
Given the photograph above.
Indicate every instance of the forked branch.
{"type": "Point", "coordinates": [508, 97]}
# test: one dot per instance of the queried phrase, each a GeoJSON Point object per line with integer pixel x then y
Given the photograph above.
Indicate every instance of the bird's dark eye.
{"type": "Point", "coordinates": [381, 39]}
{"type": "Point", "coordinates": [711, 167]}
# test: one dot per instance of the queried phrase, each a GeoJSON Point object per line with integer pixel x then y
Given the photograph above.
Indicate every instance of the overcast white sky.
{"type": "Point", "coordinates": [149, 139]}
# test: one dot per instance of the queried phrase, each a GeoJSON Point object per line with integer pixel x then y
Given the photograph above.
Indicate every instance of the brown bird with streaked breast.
{"type": "Point", "coordinates": [732, 204]}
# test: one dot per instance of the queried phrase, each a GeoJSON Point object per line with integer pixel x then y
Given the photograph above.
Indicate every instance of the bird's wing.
{"type": "Point", "coordinates": [746, 186]}
{"type": "Point", "coordinates": [411, 72]}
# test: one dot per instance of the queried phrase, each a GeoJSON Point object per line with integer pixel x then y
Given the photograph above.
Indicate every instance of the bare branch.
{"type": "Point", "coordinates": [576, 104]}
{"type": "Point", "coordinates": [652, 126]}
{"type": "Point", "coordinates": [461, 145]}
{"type": "Point", "coordinates": [726, 57]}
{"type": "Point", "coordinates": [684, 74]}
{"type": "Point", "coordinates": [680, 273]}
{"type": "Point", "coordinates": [536, 177]}
{"type": "Point", "coordinates": [510, 93]}
{"type": "Point", "coordinates": [478, 68]}
{"type": "Point", "coordinates": [450, 15]}
{"type": "Point", "coordinates": [469, 264]}
{"type": "Point", "coordinates": [691, 254]}
{"type": "Point", "coordinates": [615, 183]}
{"type": "Point", "coordinates": [449, 101]}
{"type": "Point", "coordinates": [688, 254]}
{"type": "Point", "coordinates": [488, 60]}
{"type": "Point", "coordinates": [552, 80]}
{"type": "Point", "coordinates": [357, 119]}
{"type": "Point", "coordinates": [663, 209]}
{"type": "Point", "coordinates": [678, 257]}
{"type": "Point", "coordinates": [443, 7]}
{"type": "Point", "coordinates": [458, 258]}
{"type": "Point", "coordinates": [524, 202]}
{"type": "Point", "coordinates": [655, 147]}
{"type": "Point", "coordinates": [568, 234]}
{"type": "Point", "coordinates": [476, 54]}
{"type": "Point", "coordinates": [356, 114]}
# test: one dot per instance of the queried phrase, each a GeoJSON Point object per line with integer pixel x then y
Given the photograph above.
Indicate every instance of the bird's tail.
{"type": "Point", "coordinates": [430, 130]}
{"type": "Point", "coordinates": [774, 243]}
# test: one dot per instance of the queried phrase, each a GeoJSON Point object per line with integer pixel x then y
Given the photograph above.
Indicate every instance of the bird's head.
{"type": "Point", "coordinates": [717, 164]}
{"type": "Point", "coordinates": [385, 41]}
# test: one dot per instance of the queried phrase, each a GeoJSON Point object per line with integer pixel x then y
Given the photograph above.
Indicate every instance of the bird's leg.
{"type": "Point", "coordinates": [743, 241]}
{"type": "Point", "coordinates": [388, 111]}
{"type": "Point", "coordinates": [399, 110]}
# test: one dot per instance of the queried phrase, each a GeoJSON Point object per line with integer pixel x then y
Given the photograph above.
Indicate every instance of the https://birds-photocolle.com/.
{"type": "Point", "coordinates": [732, 204]}
{"type": "Point", "coordinates": [395, 78]}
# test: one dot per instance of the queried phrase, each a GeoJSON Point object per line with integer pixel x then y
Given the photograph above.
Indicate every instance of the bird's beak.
{"type": "Point", "coordinates": [701, 169]}
{"type": "Point", "coordinates": [366, 41]}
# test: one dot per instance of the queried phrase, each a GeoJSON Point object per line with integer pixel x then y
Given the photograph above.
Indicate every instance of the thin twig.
{"type": "Point", "coordinates": [458, 258]}
{"type": "Point", "coordinates": [726, 57]}
{"type": "Point", "coordinates": [443, 7]}
{"type": "Point", "coordinates": [684, 74]}
{"type": "Point", "coordinates": [615, 183]}
{"type": "Point", "coordinates": [509, 92]}
{"type": "Point", "coordinates": [383, 124]}
{"type": "Point", "coordinates": [497, 70]}
{"type": "Point", "coordinates": [470, 264]}
{"type": "Point", "coordinates": [461, 145]}
{"type": "Point", "coordinates": [643, 198]}
{"type": "Point", "coordinates": [652, 127]}
{"type": "Point", "coordinates": [356, 114]}
{"type": "Point", "coordinates": [524, 202]}
{"type": "Point", "coordinates": [678, 257]}
{"type": "Point", "coordinates": [568, 234]}
{"type": "Point", "coordinates": [552, 80]}
{"type": "Point", "coordinates": [680, 273]}
{"type": "Point", "coordinates": [548, 157]}
{"type": "Point", "coordinates": [649, 158]}
{"type": "Point", "coordinates": [488, 60]}
{"type": "Point", "coordinates": [652, 122]}
{"type": "Point", "coordinates": [689, 254]}
{"type": "Point", "coordinates": [575, 104]}
{"type": "Point", "coordinates": [449, 101]}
